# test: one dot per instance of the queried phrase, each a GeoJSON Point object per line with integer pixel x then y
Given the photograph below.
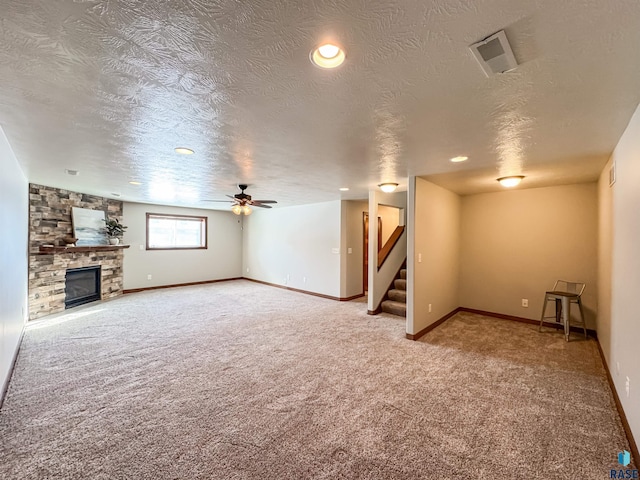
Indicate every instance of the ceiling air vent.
{"type": "Point", "coordinates": [494, 54]}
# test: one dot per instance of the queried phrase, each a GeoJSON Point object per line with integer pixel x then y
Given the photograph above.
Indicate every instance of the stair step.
{"type": "Point", "coordinates": [397, 295]}
{"type": "Point", "coordinates": [400, 284]}
{"type": "Point", "coordinates": [394, 308]}
{"type": "Point", "coordinates": [403, 273]}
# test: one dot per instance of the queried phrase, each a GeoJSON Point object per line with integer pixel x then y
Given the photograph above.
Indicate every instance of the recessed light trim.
{"type": "Point", "coordinates": [344, 189]}
{"type": "Point", "coordinates": [133, 182]}
{"type": "Point", "coordinates": [461, 158]}
{"type": "Point", "coordinates": [183, 151]}
{"type": "Point", "coordinates": [327, 55]}
{"type": "Point", "coordinates": [388, 187]}
{"type": "Point", "coordinates": [511, 181]}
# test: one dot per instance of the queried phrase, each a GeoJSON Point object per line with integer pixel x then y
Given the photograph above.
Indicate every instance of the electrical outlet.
{"type": "Point", "coordinates": [429, 308]}
{"type": "Point", "coordinates": [141, 247]}
{"type": "Point", "coordinates": [148, 277]}
{"type": "Point", "coordinates": [247, 269]}
{"type": "Point", "coordinates": [627, 386]}
{"type": "Point", "coordinates": [419, 258]}
{"type": "Point", "coordinates": [304, 279]}
{"type": "Point", "coordinates": [525, 302]}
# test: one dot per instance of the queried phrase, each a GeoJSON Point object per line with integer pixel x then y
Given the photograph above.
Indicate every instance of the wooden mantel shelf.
{"type": "Point", "coordinates": [47, 249]}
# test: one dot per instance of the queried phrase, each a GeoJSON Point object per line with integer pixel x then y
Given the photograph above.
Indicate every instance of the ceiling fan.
{"type": "Point", "coordinates": [242, 202]}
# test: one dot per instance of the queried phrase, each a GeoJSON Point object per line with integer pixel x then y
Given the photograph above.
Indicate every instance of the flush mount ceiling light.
{"type": "Point", "coordinates": [344, 189]}
{"type": "Point", "coordinates": [388, 187]}
{"type": "Point", "coordinates": [511, 181]}
{"type": "Point", "coordinates": [461, 158]}
{"type": "Point", "coordinates": [327, 55]}
{"type": "Point", "coordinates": [183, 151]}
{"type": "Point", "coordinates": [135, 183]}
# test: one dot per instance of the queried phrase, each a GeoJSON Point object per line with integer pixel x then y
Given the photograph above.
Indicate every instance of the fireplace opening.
{"type": "Point", "coordinates": [82, 285]}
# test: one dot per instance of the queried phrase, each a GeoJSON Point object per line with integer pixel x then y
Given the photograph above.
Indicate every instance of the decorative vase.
{"type": "Point", "coordinates": [114, 240]}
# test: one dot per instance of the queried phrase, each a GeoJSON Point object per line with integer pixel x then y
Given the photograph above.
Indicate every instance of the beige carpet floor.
{"type": "Point", "coordinates": [244, 381]}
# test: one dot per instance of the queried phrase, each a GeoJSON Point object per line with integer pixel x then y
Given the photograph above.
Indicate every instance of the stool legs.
{"type": "Point", "coordinates": [544, 309]}
{"type": "Point", "coordinates": [566, 317]}
{"type": "Point", "coordinates": [584, 323]}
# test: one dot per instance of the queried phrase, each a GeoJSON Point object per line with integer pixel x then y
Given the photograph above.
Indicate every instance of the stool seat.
{"type": "Point", "coordinates": [563, 295]}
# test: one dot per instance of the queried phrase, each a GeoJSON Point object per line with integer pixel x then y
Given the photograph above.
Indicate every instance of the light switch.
{"type": "Point", "coordinates": [419, 258]}
{"type": "Point", "coordinates": [349, 250]}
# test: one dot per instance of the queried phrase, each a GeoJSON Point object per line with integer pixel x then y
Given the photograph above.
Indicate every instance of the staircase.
{"type": "Point", "coordinates": [396, 303]}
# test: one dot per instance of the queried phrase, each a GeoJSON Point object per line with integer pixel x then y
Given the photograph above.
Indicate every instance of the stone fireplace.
{"type": "Point", "coordinates": [49, 223]}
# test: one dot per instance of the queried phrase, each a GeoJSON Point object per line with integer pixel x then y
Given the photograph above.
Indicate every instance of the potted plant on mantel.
{"type": "Point", "coordinates": [114, 231]}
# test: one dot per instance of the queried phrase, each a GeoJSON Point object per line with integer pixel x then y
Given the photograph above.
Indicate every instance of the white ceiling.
{"type": "Point", "coordinates": [109, 88]}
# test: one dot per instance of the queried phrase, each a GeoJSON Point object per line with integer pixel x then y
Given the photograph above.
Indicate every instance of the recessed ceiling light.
{"type": "Point", "coordinates": [135, 183]}
{"type": "Point", "coordinates": [461, 158]}
{"type": "Point", "coordinates": [511, 181]}
{"type": "Point", "coordinates": [183, 151]}
{"type": "Point", "coordinates": [73, 173]}
{"type": "Point", "coordinates": [327, 55]}
{"type": "Point", "coordinates": [344, 189]}
{"type": "Point", "coordinates": [388, 187]}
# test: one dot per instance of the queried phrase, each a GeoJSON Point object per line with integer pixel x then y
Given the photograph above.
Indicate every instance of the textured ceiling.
{"type": "Point", "coordinates": [109, 88]}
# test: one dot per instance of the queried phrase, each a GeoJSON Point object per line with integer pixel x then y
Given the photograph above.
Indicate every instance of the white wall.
{"type": "Point", "coordinates": [624, 341]}
{"type": "Point", "coordinates": [516, 243]}
{"type": "Point", "coordinates": [14, 218]}
{"type": "Point", "coordinates": [223, 258]}
{"type": "Point", "coordinates": [605, 253]}
{"type": "Point", "coordinates": [433, 255]}
{"type": "Point", "coordinates": [390, 219]}
{"type": "Point", "coordinates": [298, 247]}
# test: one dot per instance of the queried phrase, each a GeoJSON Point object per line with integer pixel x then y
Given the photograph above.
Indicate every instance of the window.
{"type": "Point", "coordinates": [168, 232]}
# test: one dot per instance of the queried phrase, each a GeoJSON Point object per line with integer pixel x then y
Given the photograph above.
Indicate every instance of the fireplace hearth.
{"type": "Point", "coordinates": [82, 285]}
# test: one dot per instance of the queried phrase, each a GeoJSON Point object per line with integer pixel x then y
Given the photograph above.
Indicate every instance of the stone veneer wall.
{"type": "Point", "coordinates": [49, 223]}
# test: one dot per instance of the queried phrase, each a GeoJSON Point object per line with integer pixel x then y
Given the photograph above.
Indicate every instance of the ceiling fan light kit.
{"type": "Point", "coordinates": [242, 202]}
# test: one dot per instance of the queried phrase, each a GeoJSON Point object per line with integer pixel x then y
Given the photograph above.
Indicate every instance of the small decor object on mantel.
{"type": "Point", "coordinates": [114, 231]}
{"type": "Point", "coordinates": [70, 241]}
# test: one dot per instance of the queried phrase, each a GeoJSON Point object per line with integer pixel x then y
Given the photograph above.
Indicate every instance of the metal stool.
{"type": "Point", "coordinates": [563, 295]}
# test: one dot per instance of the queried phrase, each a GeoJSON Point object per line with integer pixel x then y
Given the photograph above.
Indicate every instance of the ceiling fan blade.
{"type": "Point", "coordinates": [264, 201]}
{"type": "Point", "coordinates": [261, 206]}
{"type": "Point", "coordinates": [226, 201]}
{"type": "Point", "coordinates": [232, 197]}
